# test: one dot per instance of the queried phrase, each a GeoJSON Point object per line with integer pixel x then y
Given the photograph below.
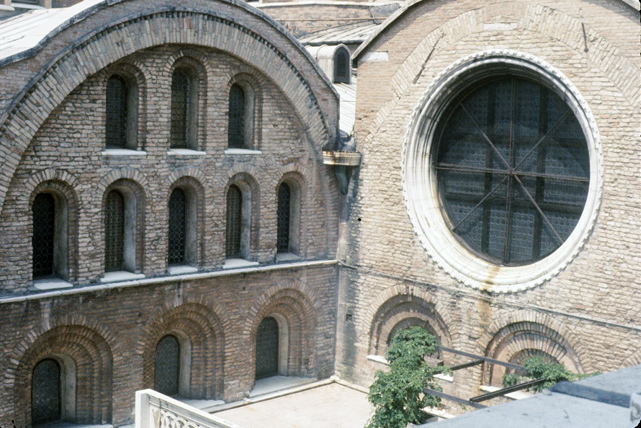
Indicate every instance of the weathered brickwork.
{"type": "Point", "coordinates": [52, 132]}
{"type": "Point", "coordinates": [587, 316]}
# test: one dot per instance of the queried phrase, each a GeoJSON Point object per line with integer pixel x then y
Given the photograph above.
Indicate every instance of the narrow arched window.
{"type": "Point", "coordinates": [116, 124]}
{"type": "Point", "coordinates": [236, 128]}
{"type": "Point", "coordinates": [177, 227]}
{"type": "Point", "coordinates": [114, 231]}
{"type": "Point", "coordinates": [342, 67]}
{"type": "Point", "coordinates": [46, 392]}
{"type": "Point", "coordinates": [267, 345]}
{"type": "Point", "coordinates": [44, 234]}
{"type": "Point", "coordinates": [283, 214]}
{"type": "Point", "coordinates": [180, 109]}
{"type": "Point", "coordinates": [167, 377]}
{"type": "Point", "coordinates": [234, 222]}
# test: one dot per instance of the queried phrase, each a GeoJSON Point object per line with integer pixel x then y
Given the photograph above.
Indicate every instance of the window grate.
{"type": "Point", "coordinates": [45, 392]}
{"type": "Point", "coordinates": [167, 366]}
{"type": "Point", "coordinates": [116, 124]}
{"type": "Point", "coordinates": [513, 170]}
{"type": "Point", "coordinates": [234, 218]}
{"type": "Point", "coordinates": [177, 219]}
{"type": "Point", "coordinates": [236, 131]}
{"type": "Point", "coordinates": [283, 214]}
{"type": "Point", "coordinates": [180, 88]}
{"type": "Point", "coordinates": [267, 349]}
{"type": "Point", "coordinates": [43, 238]}
{"type": "Point", "coordinates": [114, 231]}
{"type": "Point", "coordinates": [341, 66]}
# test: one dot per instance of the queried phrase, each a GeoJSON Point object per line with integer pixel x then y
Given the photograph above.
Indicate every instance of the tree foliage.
{"type": "Point", "coordinates": [397, 394]}
{"type": "Point", "coordinates": [538, 368]}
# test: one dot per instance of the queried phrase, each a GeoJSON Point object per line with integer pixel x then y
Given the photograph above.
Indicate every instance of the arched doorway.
{"type": "Point", "coordinates": [46, 398]}
{"type": "Point", "coordinates": [267, 344]}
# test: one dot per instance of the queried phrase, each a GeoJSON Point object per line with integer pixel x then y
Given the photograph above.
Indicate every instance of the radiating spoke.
{"type": "Point", "coordinates": [480, 203]}
{"type": "Point", "coordinates": [485, 136]}
{"type": "Point", "coordinates": [543, 216]}
{"type": "Point", "coordinates": [538, 143]}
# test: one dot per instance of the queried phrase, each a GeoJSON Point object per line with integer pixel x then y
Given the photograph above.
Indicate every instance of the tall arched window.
{"type": "Point", "coordinates": [117, 112]}
{"type": "Point", "coordinates": [342, 69]}
{"type": "Point", "coordinates": [283, 215]}
{"type": "Point", "coordinates": [184, 108]}
{"type": "Point", "coordinates": [267, 347]}
{"type": "Point", "coordinates": [237, 107]}
{"type": "Point", "coordinates": [167, 377]}
{"type": "Point", "coordinates": [234, 222]}
{"type": "Point", "coordinates": [177, 227]}
{"type": "Point", "coordinates": [114, 231]}
{"type": "Point", "coordinates": [46, 397]}
{"type": "Point", "coordinates": [44, 234]}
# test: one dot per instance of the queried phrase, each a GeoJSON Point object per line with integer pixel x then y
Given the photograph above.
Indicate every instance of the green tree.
{"type": "Point", "coordinates": [397, 394]}
{"type": "Point", "coordinates": [537, 367]}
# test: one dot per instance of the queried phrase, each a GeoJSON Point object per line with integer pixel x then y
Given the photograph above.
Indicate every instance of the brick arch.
{"type": "Point", "coordinates": [201, 324]}
{"type": "Point", "coordinates": [92, 359]}
{"type": "Point", "coordinates": [129, 174]}
{"type": "Point", "coordinates": [168, 25]}
{"type": "Point", "coordinates": [296, 307]}
{"type": "Point", "coordinates": [404, 310]}
{"type": "Point", "coordinates": [528, 337]}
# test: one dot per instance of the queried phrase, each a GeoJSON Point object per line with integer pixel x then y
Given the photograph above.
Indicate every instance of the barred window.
{"type": "Point", "coordinates": [177, 226]}
{"type": "Point", "coordinates": [116, 124]}
{"type": "Point", "coordinates": [46, 392]}
{"type": "Point", "coordinates": [342, 69]}
{"type": "Point", "coordinates": [180, 109]}
{"type": "Point", "coordinates": [512, 166]}
{"type": "Point", "coordinates": [114, 231]}
{"type": "Point", "coordinates": [236, 128]}
{"type": "Point", "coordinates": [167, 377]}
{"type": "Point", "coordinates": [267, 344]}
{"type": "Point", "coordinates": [44, 234]}
{"type": "Point", "coordinates": [283, 218]}
{"type": "Point", "coordinates": [234, 222]}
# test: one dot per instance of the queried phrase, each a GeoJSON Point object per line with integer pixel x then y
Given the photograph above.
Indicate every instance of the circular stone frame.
{"type": "Point", "coordinates": [420, 187]}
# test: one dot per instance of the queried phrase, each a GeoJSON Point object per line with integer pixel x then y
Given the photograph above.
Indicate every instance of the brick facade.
{"type": "Point", "coordinates": [52, 126]}
{"type": "Point", "coordinates": [584, 315]}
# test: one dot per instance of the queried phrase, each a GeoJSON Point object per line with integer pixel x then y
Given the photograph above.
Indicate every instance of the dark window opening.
{"type": "Point", "coordinates": [342, 67]}
{"type": "Point", "coordinates": [234, 222]}
{"type": "Point", "coordinates": [114, 231]}
{"type": "Point", "coordinates": [283, 215]}
{"type": "Point", "coordinates": [46, 392]}
{"type": "Point", "coordinates": [44, 234]}
{"type": "Point", "coordinates": [177, 227]}
{"type": "Point", "coordinates": [167, 377]}
{"type": "Point", "coordinates": [513, 170]}
{"type": "Point", "coordinates": [267, 349]}
{"type": "Point", "coordinates": [116, 124]}
{"type": "Point", "coordinates": [180, 109]}
{"type": "Point", "coordinates": [236, 131]}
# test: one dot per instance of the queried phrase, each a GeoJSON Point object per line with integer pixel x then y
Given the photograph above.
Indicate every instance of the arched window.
{"type": "Point", "coordinates": [114, 231]}
{"type": "Point", "coordinates": [234, 222]}
{"type": "Point", "coordinates": [267, 347]}
{"type": "Point", "coordinates": [184, 108]}
{"type": "Point", "coordinates": [46, 397]}
{"type": "Point", "coordinates": [44, 234]}
{"type": "Point", "coordinates": [177, 227]}
{"type": "Point", "coordinates": [283, 214]}
{"type": "Point", "coordinates": [237, 119]}
{"type": "Point", "coordinates": [167, 377]}
{"type": "Point", "coordinates": [117, 112]}
{"type": "Point", "coordinates": [342, 69]}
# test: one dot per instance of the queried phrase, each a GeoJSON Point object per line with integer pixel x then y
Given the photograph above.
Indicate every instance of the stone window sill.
{"type": "Point", "coordinates": [242, 152]}
{"type": "Point", "coordinates": [238, 263]}
{"type": "Point", "coordinates": [181, 269]}
{"type": "Point", "coordinates": [185, 152]}
{"type": "Point", "coordinates": [286, 257]}
{"type": "Point", "coordinates": [123, 152]}
{"type": "Point", "coordinates": [120, 275]}
{"type": "Point", "coordinates": [47, 284]}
